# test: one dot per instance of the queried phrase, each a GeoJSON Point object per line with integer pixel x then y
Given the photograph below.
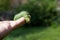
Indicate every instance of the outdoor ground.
{"type": "Point", "coordinates": [35, 33]}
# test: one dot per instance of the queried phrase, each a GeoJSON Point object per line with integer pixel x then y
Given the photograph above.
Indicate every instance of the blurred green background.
{"type": "Point", "coordinates": [44, 23]}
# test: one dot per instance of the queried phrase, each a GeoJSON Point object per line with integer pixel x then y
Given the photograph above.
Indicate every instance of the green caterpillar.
{"type": "Point", "coordinates": [24, 14]}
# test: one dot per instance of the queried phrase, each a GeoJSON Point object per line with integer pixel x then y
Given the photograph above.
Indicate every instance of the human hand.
{"type": "Point", "coordinates": [7, 26]}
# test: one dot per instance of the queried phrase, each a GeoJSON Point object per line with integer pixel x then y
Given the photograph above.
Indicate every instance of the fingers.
{"type": "Point", "coordinates": [18, 23]}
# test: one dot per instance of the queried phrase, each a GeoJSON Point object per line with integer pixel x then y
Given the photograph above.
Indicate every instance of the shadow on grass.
{"type": "Point", "coordinates": [35, 33]}
{"type": "Point", "coordinates": [26, 30]}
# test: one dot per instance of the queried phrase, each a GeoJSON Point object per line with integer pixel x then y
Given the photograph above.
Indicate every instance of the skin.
{"type": "Point", "coordinates": [7, 26]}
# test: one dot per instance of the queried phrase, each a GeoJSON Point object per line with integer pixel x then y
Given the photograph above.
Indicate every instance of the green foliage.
{"type": "Point", "coordinates": [41, 11]}
{"type": "Point", "coordinates": [4, 4]}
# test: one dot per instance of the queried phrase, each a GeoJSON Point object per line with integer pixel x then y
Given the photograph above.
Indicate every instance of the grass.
{"type": "Point", "coordinates": [35, 33]}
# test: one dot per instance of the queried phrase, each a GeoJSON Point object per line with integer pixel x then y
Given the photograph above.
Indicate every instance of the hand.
{"type": "Point", "coordinates": [7, 26]}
